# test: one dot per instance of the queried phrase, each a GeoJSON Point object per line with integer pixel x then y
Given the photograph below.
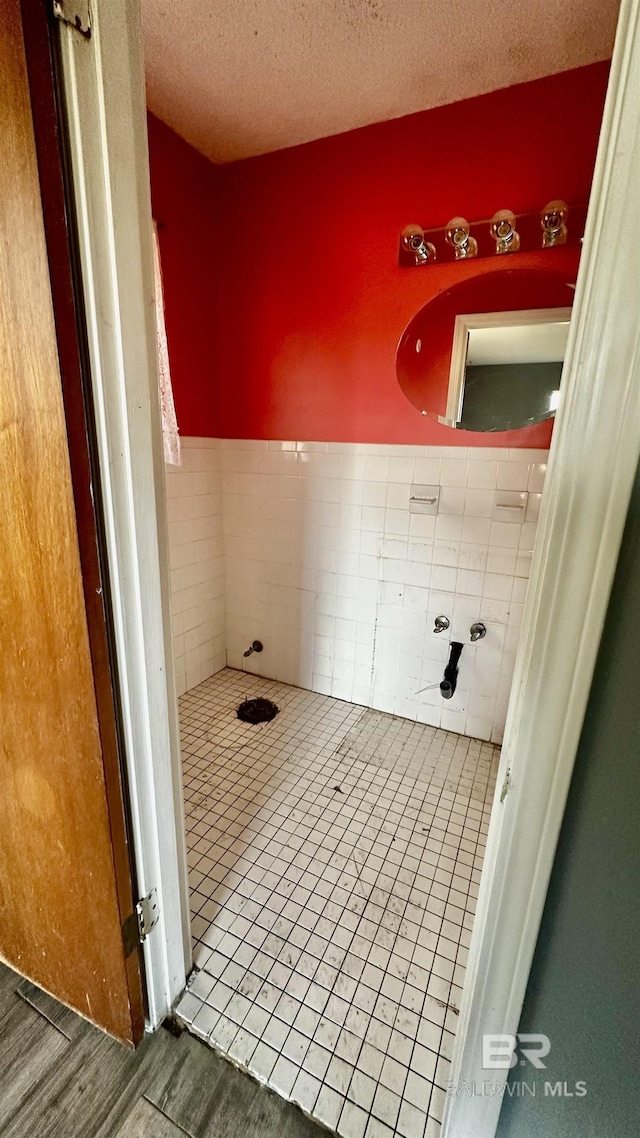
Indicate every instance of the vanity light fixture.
{"type": "Point", "coordinates": [553, 220]}
{"type": "Point", "coordinates": [504, 232]}
{"type": "Point", "coordinates": [458, 236]}
{"type": "Point", "coordinates": [413, 242]}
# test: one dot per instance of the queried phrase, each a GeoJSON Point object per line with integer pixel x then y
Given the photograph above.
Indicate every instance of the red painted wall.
{"type": "Point", "coordinates": [284, 300]}
{"type": "Point", "coordinates": [311, 300]}
{"type": "Point", "coordinates": [184, 196]}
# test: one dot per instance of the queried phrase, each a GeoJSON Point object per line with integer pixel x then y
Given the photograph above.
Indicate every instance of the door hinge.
{"type": "Point", "coordinates": [75, 13]}
{"type": "Point", "coordinates": [140, 922]}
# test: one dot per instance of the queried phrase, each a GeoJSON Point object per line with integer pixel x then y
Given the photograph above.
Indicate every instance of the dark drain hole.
{"type": "Point", "coordinates": [257, 711]}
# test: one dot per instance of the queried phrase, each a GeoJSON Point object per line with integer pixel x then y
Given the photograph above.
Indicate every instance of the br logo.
{"type": "Point", "coordinates": [501, 1052]}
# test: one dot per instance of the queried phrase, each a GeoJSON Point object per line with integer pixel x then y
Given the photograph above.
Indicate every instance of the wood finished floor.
{"type": "Point", "coordinates": [62, 1078]}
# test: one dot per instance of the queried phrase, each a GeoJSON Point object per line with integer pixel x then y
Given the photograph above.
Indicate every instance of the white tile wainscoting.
{"type": "Point", "coordinates": [327, 566]}
{"type": "Point", "coordinates": [196, 556]}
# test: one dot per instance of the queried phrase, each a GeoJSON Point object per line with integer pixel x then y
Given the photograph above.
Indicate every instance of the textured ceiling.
{"type": "Point", "coordinates": [243, 77]}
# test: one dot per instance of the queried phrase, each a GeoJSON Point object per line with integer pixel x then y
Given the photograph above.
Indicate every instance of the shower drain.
{"type": "Point", "coordinates": [257, 710]}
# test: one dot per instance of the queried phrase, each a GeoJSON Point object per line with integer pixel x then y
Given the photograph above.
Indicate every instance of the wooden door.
{"type": "Point", "coordinates": [65, 880]}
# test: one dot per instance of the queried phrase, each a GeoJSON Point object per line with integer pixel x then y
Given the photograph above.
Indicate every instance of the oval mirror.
{"type": "Point", "coordinates": [486, 354]}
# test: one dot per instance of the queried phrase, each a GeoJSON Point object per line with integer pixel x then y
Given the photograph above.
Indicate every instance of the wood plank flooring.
{"type": "Point", "coordinates": [62, 1078]}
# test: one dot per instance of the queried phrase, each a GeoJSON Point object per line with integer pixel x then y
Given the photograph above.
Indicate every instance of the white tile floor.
{"type": "Point", "coordinates": [335, 855]}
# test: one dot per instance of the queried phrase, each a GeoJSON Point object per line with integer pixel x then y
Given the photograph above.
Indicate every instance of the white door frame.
{"type": "Point", "coordinates": [593, 460]}
{"type": "Point", "coordinates": [592, 466]}
{"type": "Point", "coordinates": [103, 82]}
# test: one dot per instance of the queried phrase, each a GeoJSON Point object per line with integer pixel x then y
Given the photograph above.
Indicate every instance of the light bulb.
{"type": "Point", "coordinates": [413, 242]}
{"type": "Point", "coordinates": [553, 221]}
{"type": "Point", "coordinates": [504, 232]}
{"type": "Point", "coordinates": [460, 239]}
{"type": "Point", "coordinates": [412, 237]}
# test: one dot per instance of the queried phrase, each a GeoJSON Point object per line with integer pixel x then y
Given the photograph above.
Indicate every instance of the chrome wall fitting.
{"type": "Point", "coordinates": [477, 630]}
{"type": "Point", "coordinates": [441, 624]}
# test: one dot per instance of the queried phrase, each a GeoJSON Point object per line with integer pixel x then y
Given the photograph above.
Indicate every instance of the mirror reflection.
{"type": "Point", "coordinates": [505, 369]}
{"type": "Point", "coordinates": [486, 354]}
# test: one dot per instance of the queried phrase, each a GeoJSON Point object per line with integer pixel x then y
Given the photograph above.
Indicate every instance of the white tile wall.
{"type": "Point", "coordinates": [326, 565]}
{"type": "Point", "coordinates": [194, 504]}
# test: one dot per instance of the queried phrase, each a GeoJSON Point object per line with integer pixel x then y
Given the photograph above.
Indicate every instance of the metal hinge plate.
{"type": "Point", "coordinates": [139, 924]}
{"type": "Point", "coordinates": [75, 13]}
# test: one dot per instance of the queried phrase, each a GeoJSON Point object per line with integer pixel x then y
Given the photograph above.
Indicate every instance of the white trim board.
{"type": "Point", "coordinates": [593, 461]}
{"type": "Point", "coordinates": [103, 83]}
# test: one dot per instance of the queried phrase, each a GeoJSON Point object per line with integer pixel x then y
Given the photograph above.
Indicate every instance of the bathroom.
{"type": "Point", "coordinates": [335, 850]}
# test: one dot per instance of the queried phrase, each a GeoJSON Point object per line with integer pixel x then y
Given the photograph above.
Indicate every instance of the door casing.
{"type": "Point", "coordinates": [104, 112]}
{"type": "Point", "coordinates": [593, 462]}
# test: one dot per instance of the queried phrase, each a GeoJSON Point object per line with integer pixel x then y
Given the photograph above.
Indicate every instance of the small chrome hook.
{"type": "Point", "coordinates": [441, 624]}
{"type": "Point", "coordinates": [477, 630]}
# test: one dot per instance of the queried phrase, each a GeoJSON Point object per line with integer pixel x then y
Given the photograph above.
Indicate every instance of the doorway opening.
{"type": "Point", "coordinates": [335, 853]}
{"type": "Point", "coordinates": [298, 635]}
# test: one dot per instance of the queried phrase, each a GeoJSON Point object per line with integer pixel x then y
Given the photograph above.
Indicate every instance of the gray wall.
{"type": "Point", "coordinates": [584, 985]}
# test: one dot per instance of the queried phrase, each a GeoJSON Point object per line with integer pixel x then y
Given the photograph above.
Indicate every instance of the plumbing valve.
{"type": "Point", "coordinates": [256, 646]}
